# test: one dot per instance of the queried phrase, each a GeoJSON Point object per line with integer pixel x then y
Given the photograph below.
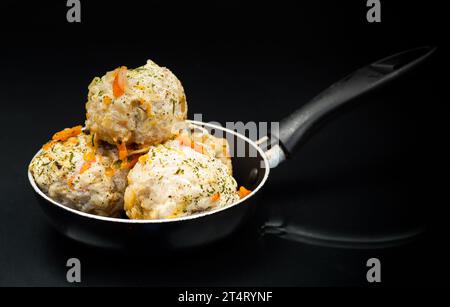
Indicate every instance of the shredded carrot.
{"type": "Point", "coordinates": [48, 145]}
{"type": "Point", "coordinates": [120, 81]}
{"type": "Point", "coordinates": [122, 148]}
{"type": "Point", "coordinates": [131, 163]}
{"type": "Point", "coordinates": [67, 133]}
{"type": "Point", "coordinates": [107, 100]}
{"type": "Point", "coordinates": [186, 141]}
{"type": "Point", "coordinates": [198, 148]}
{"type": "Point", "coordinates": [86, 165]}
{"type": "Point", "coordinates": [123, 122]}
{"type": "Point", "coordinates": [215, 197]}
{"type": "Point", "coordinates": [70, 182]}
{"type": "Point", "coordinates": [89, 156]}
{"type": "Point", "coordinates": [243, 192]}
{"type": "Point", "coordinates": [109, 172]}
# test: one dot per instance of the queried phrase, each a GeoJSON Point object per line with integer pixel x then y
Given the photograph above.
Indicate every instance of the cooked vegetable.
{"type": "Point", "coordinates": [123, 154]}
{"type": "Point", "coordinates": [187, 141]}
{"type": "Point", "coordinates": [89, 156]}
{"type": "Point", "coordinates": [48, 145]}
{"type": "Point", "coordinates": [243, 192]}
{"type": "Point", "coordinates": [86, 165]}
{"type": "Point", "coordinates": [130, 163]}
{"type": "Point", "coordinates": [107, 100]}
{"type": "Point", "coordinates": [215, 197]}
{"type": "Point", "coordinates": [120, 81]}
{"type": "Point", "coordinates": [67, 133]}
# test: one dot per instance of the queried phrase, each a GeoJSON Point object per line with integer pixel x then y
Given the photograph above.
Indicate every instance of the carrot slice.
{"type": "Point", "coordinates": [243, 192]}
{"type": "Point", "coordinates": [120, 81]}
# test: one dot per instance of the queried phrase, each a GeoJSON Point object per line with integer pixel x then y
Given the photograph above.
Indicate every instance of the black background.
{"type": "Point", "coordinates": [374, 171]}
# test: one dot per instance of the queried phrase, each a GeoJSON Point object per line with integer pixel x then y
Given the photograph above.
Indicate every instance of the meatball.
{"type": "Point", "coordinates": [79, 173]}
{"type": "Point", "coordinates": [145, 105]}
{"type": "Point", "coordinates": [175, 179]}
{"type": "Point", "coordinates": [201, 140]}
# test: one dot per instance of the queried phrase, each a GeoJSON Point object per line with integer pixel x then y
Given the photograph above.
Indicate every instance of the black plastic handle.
{"type": "Point", "coordinates": [295, 128]}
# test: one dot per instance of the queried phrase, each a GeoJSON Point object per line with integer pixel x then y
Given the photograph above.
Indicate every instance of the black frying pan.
{"type": "Point", "coordinates": [251, 170]}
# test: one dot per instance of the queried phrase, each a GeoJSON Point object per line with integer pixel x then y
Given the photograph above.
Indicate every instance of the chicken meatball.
{"type": "Point", "coordinates": [81, 174]}
{"type": "Point", "coordinates": [145, 105]}
{"type": "Point", "coordinates": [176, 179]}
{"type": "Point", "coordinates": [201, 140]}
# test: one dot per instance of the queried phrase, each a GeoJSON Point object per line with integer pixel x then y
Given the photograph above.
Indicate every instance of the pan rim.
{"type": "Point", "coordinates": [174, 220]}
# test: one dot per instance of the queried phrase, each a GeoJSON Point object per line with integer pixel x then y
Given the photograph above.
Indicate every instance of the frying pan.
{"type": "Point", "coordinates": [250, 170]}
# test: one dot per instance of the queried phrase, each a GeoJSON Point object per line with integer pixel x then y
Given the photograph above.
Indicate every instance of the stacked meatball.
{"type": "Point", "coordinates": [145, 105]}
{"type": "Point", "coordinates": [138, 154]}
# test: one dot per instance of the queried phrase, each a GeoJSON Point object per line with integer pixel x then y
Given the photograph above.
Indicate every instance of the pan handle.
{"type": "Point", "coordinates": [297, 127]}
